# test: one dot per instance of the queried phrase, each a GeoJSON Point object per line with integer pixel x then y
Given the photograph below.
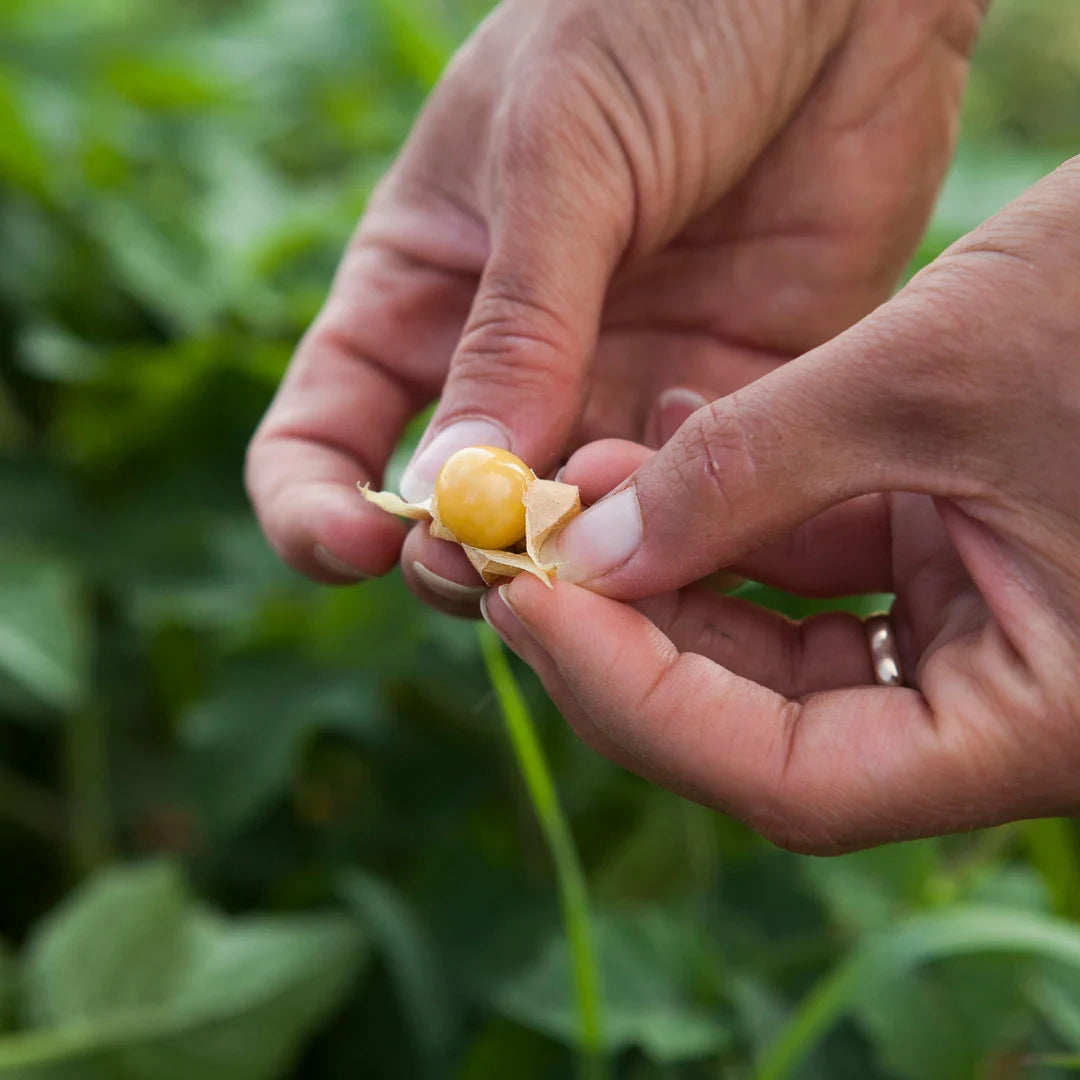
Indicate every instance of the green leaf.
{"type": "Point", "coordinates": [983, 180]}
{"type": "Point", "coordinates": [22, 162]}
{"type": "Point", "coordinates": [164, 276]}
{"type": "Point", "coordinates": [938, 1025]}
{"type": "Point", "coordinates": [411, 959]}
{"type": "Point", "coordinates": [7, 987]}
{"type": "Point", "coordinates": [44, 627]}
{"type": "Point", "coordinates": [132, 977]}
{"type": "Point", "coordinates": [1051, 846]}
{"type": "Point", "coordinates": [1056, 994]}
{"type": "Point", "coordinates": [648, 965]}
{"type": "Point", "coordinates": [801, 607]}
{"type": "Point", "coordinates": [869, 889]}
{"type": "Point", "coordinates": [163, 84]}
{"type": "Point", "coordinates": [1056, 1061]}
{"type": "Point", "coordinates": [129, 912]}
{"type": "Point", "coordinates": [884, 957]}
{"type": "Point", "coordinates": [244, 742]}
{"type": "Point", "coordinates": [420, 39]}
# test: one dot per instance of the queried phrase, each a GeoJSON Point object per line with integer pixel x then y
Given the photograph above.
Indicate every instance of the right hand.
{"type": "Point", "coordinates": [930, 451]}
{"type": "Point", "coordinates": [600, 203]}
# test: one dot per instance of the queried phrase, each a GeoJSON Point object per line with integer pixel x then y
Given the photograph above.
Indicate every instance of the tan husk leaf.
{"type": "Point", "coordinates": [395, 504]}
{"type": "Point", "coordinates": [549, 507]}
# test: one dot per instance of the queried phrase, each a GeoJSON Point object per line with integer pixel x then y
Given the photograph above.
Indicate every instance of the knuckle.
{"type": "Point", "coordinates": [713, 461]}
{"type": "Point", "coordinates": [935, 361]}
{"type": "Point", "coordinates": [515, 340]}
{"type": "Point", "coordinates": [958, 24]}
{"type": "Point", "coordinates": [791, 814]}
{"type": "Point", "coordinates": [544, 110]}
{"type": "Point", "coordinates": [565, 135]}
{"type": "Point", "coordinates": [974, 331]}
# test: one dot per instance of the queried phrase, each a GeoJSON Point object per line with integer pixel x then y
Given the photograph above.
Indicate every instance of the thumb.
{"type": "Point", "coordinates": [517, 378]}
{"type": "Point", "coordinates": [853, 417]}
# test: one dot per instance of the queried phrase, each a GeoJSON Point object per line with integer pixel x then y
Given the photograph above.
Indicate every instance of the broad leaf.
{"type": "Point", "coordinates": [410, 958]}
{"type": "Point", "coordinates": [930, 1026]}
{"type": "Point", "coordinates": [131, 977]}
{"type": "Point", "coordinates": [892, 953]}
{"type": "Point", "coordinates": [44, 627]}
{"type": "Point", "coordinates": [79, 966]}
{"type": "Point", "coordinates": [648, 965]}
{"type": "Point", "coordinates": [244, 742]}
{"type": "Point", "coordinates": [869, 889]}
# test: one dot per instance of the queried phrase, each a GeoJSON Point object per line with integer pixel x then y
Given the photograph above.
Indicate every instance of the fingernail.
{"type": "Point", "coordinates": [337, 566]}
{"type": "Point", "coordinates": [513, 632]}
{"type": "Point", "coordinates": [485, 611]}
{"type": "Point", "coordinates": [447, 589]}
{"type": "Point", "coordinates": [418, 480]}
{"type": "Point", "coordinates": [602, 538]}
{"type": "Point", "coordinates": [673, 408]}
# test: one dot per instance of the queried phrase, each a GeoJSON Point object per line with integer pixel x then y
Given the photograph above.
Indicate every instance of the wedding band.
{"type": "Point", "coordinates": [884, 655]}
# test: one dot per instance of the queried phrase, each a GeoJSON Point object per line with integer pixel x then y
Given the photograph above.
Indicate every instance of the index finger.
{"type": "Point", "coordinates": [366, 366]}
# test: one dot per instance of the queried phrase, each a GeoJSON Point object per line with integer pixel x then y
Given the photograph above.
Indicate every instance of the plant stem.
{"type": "Point", "coordinates": [32, 807]}
{"type": "Point", "coordinates": [573, 894]}
{"type": "Point", "coordinates": [86, 780]}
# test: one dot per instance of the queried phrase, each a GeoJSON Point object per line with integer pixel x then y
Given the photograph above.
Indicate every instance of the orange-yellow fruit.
{"type": "Point", "coordinates": [480, 496]}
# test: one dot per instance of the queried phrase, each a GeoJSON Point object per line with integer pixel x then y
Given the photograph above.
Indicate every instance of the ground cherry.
{"type": "Point", "coordinates": [479, 494]}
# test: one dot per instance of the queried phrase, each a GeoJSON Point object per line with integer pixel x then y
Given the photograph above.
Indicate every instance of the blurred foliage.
{"type": "Point", "coordinates": [328, 767]}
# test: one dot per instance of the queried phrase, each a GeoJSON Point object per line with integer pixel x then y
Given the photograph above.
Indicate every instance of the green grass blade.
{"type": "Point", "coordinates": [883, 956]}
{"type": "Point", "coordinates": [573, 895]}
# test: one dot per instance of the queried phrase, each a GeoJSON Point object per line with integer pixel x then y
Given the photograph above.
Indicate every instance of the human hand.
{"type": "Point", "coordinates": [929, 451]}
{"type": "Point", "coordinates": [598, 204]}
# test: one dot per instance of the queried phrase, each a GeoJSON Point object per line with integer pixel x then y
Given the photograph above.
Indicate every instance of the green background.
{"type": "Point", "coordinates": [253, 828]}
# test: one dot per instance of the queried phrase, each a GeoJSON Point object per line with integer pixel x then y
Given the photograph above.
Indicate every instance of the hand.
{"type": "Point", "coordinates": [930, 451]}
{"type": "Point", "coordinates": [602, 202]}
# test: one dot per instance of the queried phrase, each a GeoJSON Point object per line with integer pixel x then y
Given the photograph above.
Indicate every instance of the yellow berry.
{"type": "Point", "coordinates": [480, 496]}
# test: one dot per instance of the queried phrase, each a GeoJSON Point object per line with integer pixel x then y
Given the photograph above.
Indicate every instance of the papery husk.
{"type": "Point", "coordinates": [395, 504]}
{"type": "Point", "coordinates": [549, 507]}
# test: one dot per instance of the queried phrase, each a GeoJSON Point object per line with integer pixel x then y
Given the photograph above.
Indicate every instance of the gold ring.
{"type": "Point", "coordinates": [884, 655]}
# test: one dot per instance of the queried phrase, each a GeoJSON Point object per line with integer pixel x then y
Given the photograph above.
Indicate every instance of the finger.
{"type": "Point", "coordinates": [823, 652]}
{"type": "Point", "coordinates": [921, 396]}
{"type": "Point", "coordinates": [517, 376]}
{"type": "Point", "coordinates": [601, 466]}
{"type": "Point", "coordinates": [504, 622]}
{"type": "Point", "coordinates": [832, 772]}
{"type": "Point", "coordinates": [341, 408]}
{"type": "Point", "coordinates": [438, 572]}
{"type": "Point", "coordinates": [673, 408]}
{"type": "Point", "coordinates": [836, 424]}
{"type": "Point", "coordinates": [843, 551]}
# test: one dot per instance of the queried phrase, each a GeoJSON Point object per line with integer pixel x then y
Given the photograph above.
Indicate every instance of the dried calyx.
{"type": "Point", "coordinates": [479, 497]}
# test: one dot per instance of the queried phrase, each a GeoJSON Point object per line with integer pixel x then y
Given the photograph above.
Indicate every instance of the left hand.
{"type": "Point", "coordinates": [598, 205]}
{"type": "Point", "coordinates": [930, 451]}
